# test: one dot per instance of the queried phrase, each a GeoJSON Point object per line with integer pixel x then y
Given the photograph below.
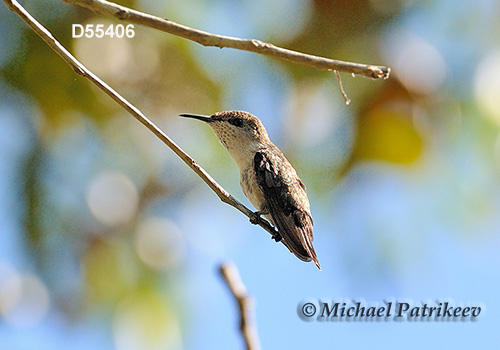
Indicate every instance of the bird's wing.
{"type": "Point", "coordinates": [286, 201]}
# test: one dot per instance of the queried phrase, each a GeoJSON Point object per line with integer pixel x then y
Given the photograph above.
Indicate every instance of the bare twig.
{"type": "Point", "coordinates": [137, 114]}
{"type": "Point", "coordinates": [230, 273]}
{"type": "Point", "coordinates": [341, 87]}
{"type": "Point", "coordinates": [209, 39]}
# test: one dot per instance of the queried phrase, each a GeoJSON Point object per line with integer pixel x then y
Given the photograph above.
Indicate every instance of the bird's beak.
{"type": "Point", "coordinates": [197, 116]}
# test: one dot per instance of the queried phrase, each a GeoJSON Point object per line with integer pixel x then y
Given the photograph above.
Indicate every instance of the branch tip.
{"type": "Point", "coordinates": [231, 276]}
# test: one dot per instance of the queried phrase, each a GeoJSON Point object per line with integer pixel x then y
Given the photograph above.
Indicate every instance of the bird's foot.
{"type": "Point", "coordinates": [255, 217]}
{"type": "Point", "coordinates": [276, 236]}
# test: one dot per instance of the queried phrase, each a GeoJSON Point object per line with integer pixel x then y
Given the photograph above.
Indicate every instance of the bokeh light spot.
{"type": "Point", "coordinates": [24, 299]}
{"type": "Point", "coordinates": [487, 86]}
{"type": "Point", "coordinates": [10, 288]}
{"type": "Point", "coordinates": [416, 63]}
{"type": "Point", "coordinates": [113, 52]}
{"type": "Point", "coordinates": [159, 243]}
{"type": "Point", "coordinates": [112, 198]}
{"type": "Point", "coordinates": [138, 56]}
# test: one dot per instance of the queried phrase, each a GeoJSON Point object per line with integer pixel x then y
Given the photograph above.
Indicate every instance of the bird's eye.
{"type": "Point", "coordinates": [236, 122]}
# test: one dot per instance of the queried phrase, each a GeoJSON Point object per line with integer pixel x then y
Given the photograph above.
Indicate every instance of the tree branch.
{"type": "Point", "coordinates": [136, 113]}
{"type": "Point", "coordinates": [230, 273]}
{"type": "Point", "coordinates": [209, 39]}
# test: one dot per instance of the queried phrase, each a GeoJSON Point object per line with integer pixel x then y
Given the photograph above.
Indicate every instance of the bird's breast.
{"type": "Point", "coordinates": [250, 187]}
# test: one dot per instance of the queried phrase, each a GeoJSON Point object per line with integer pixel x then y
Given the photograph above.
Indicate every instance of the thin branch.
{"type": "Point", "coordinates": [209, 39]}
{"type": "Point", "coordinates": [230, 273]}
{"type": "Point", "coordinates": [341, 87]}
{"type": "Point", "coordinates": [137, 114]}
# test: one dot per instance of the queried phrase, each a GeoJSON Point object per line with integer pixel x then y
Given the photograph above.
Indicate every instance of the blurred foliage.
{"type": "Point", "coordinates": [386, 130]}
{"type": "Point", "coordinates": [86, 153]}
{"type": "Point", "coordinates": [332, 26]}
{"type": "Point", "coordinates": [388, 135]}
{"type": "Point", "coordinates": [39, 72]}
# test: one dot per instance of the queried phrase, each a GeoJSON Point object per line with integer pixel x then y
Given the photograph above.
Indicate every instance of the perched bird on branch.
{"type": "Point", "coordinates": [267, 178]}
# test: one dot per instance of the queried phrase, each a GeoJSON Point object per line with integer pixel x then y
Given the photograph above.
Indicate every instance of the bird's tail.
{"type": "Point", "coordinates": [301, 246]}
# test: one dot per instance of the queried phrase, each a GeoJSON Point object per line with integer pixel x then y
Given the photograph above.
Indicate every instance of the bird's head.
{"type": "Point", "coordinates": [240, 132]}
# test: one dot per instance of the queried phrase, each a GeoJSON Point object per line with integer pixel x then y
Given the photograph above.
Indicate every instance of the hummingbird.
{"type": "Point", "coordinates": [267, 179]}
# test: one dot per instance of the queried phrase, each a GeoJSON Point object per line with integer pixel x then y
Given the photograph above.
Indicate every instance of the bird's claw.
{"type": "Point", "coordinates": [255, 218]}
{"type": "Point", "coordinates": [276, 236]}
